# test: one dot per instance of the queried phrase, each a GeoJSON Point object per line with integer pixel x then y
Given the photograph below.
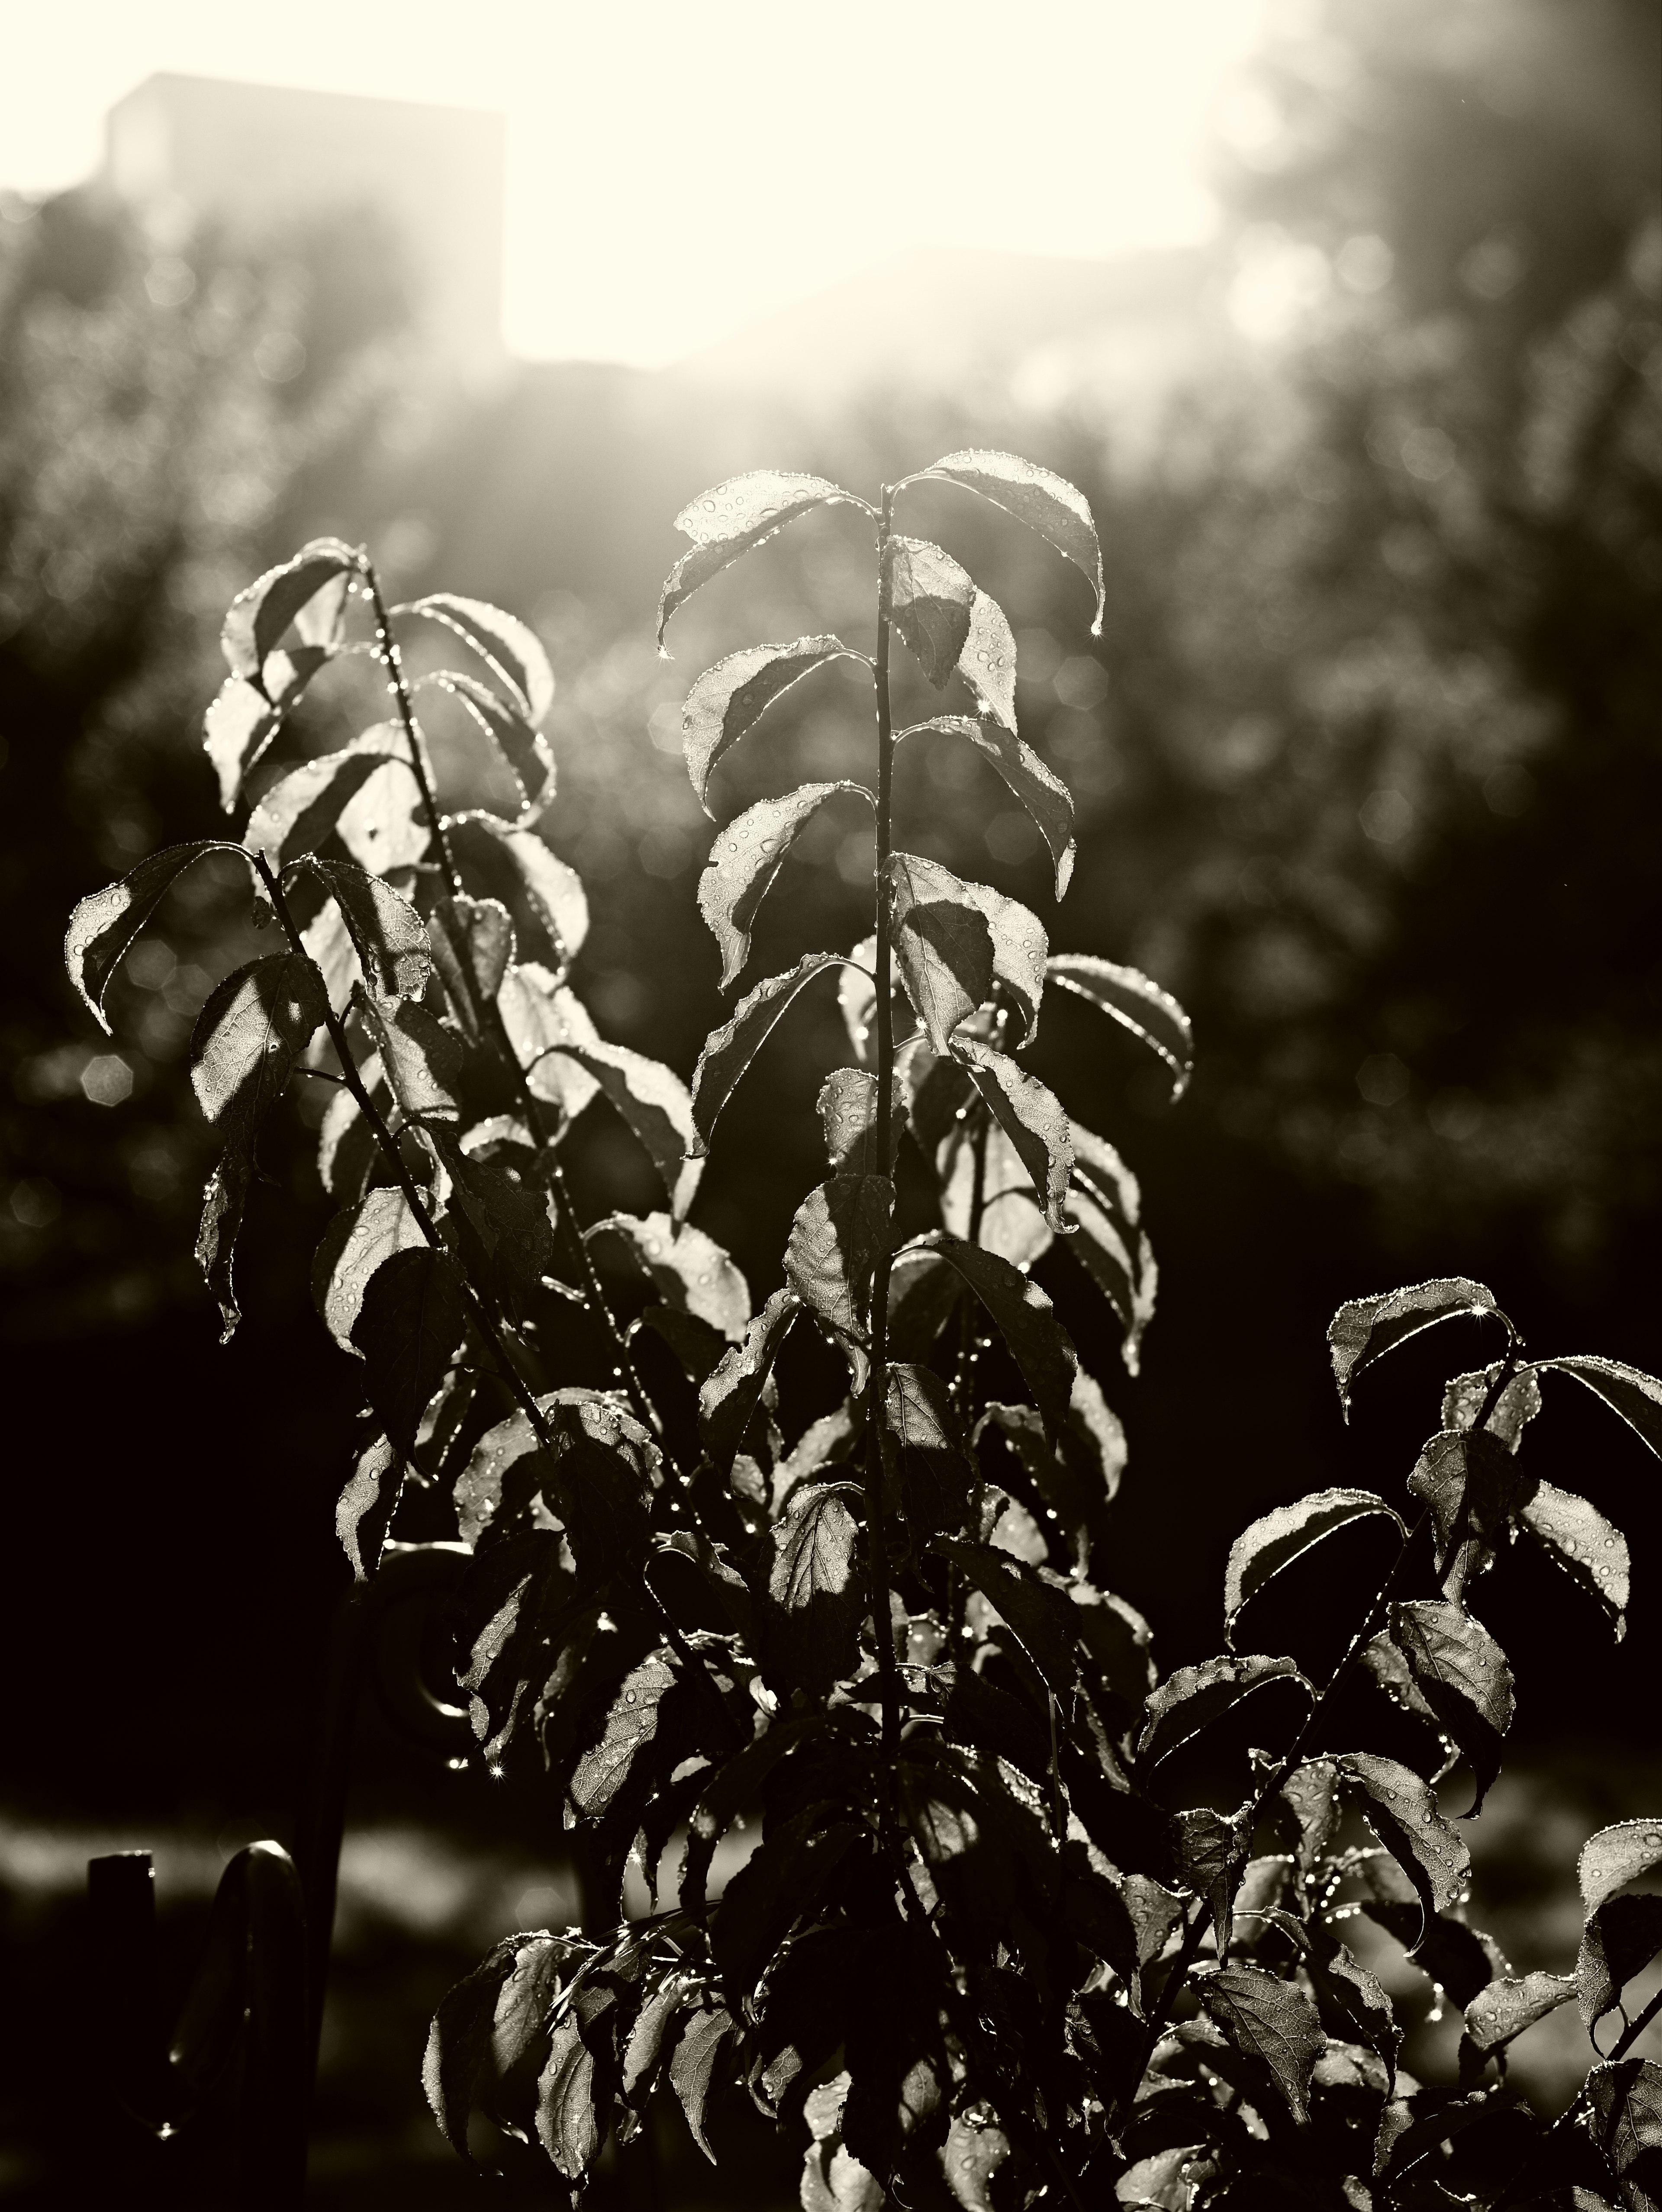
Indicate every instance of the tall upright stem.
{"type": "Point", "coordinates": [387, 645]}
{"type": "Point", "coordinates": [877, 1388]}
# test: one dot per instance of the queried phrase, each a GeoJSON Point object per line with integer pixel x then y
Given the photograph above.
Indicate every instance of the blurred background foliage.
{"type": "Point", "coordinates": [1367, 762]}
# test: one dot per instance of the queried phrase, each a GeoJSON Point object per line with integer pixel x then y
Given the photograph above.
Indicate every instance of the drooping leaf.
{"type": "Point", "coordinates": [544, 1018]}
{"type": "Point", "coordinates": [1031, 1115]}
{"type": "Point", "coordinates": [1040, 790]}
{"type": "Point", "coordinates": [744, 860]}
{"type": "Point", "coordinates": [243, 719]}
{"type": "Point", "coordinates": [1346, 1986]}
{"type": "Point", "coordinates": [1506, 2008]}
{"type": "Point", "coordinates": [1077, 1479]}
{"type": "Point", "coordinates": [930, 599]}
{"type": "Point", "coordinates": [1270, 2020]}
{"type": "Point", "coordinates": [365, 1508]}
{"type": "Point", "coordinates": [482, 2028]}
{"type": "Point", "coordinates": [986, 661]}
{"type": "Point", "coordinates": [943, 945]}
{"type": "Point", "coordinates": [692, 2067]}
{"type": "Point", "coordinates": [728, 1401]}
{"type": "Point", "coordinates": [840, 1230]}
{"type": "Point", "coordinates": [356, 1244]}
{"type": "Point", "coordinates": [848, 1117]}
{"type": "Point", "coordinates": [509, 648]}
{"type": "Point", "coordinates": [926, 1447]}
{"type": "Point", "coordinates": [816, 1593]}
{"type": "Point", "coordinates": [1037, 496]}
{"type": "Point", "coordinates": [505, 722]}
{"type": "Point", "coordinates": [1039, 1615]}
{"type": "Point", "coordinates": [1621, 1939]}
{"type": "Point", "coordinates": [422, 1059]}
{"type": "Point", "coordinates": [730, 698]}
{"type": "Point", "coordinates": [732, 517]}
{"type": "Point", "coordinates": [972, 2153]}
{"type": "Point", "coordinates": [302, 808]}
{"type": "Point", "coordinates": [307, 591]}
{"type": "Point", "coordinates": [1026, 1321]}
{"type": "Point", "coordinates": [384, 825]}
{"type": "Point", "coordinates": [1519, 1402]}
{"type": "Point", "coordinates": [924, 1291]}
{"type": "Point", "coordinates": [1311, 1795]}
{"type": "Point", "coordinates": [1636, 1396]}
{"type": "Point", "coordinates": [729, 1050]}
{"type": "Point", "coordinates": [1626, 2100]}
{"type": "Point", "coordinates": [568, 2121]}
{"type": "Point", "coordinates": [976, 1159]}
{"type": "Point", "coordinates": [553, 890]}
{"type": "Point", "coordinates": [473, 947]}
{"type": "Point", "coordinates": [1462, 1674]}
{"type": "Point", "coordinates": [499, 1210]}
{"type": "Point", "coordinates": [1210, 1850]}
{"type": "Point", "coordinates": [385, 931]}
{"type": "Point", "coordinates": [1402, 1809]}
{"type": "Point", "coordinates": [1365, 1329]}
{"type": "Point", "coordinates": [1273, 1542]}
{"type": "Point", "coordinates": [690, 1270]}
{"type": "Point", "coordinates": [631, 1723]}
{"type": "Point", "coordinates": [347, 1148]}
{"type": "Point", "coordinates": [105, 923]}
{"type": "Point", "coordinates": [1473, 1486]}
{"type": "Point", "coordinates": [1191, 1697]}
{"type": "Point", "coordinates": [1615, 1856]}
{"type": "Point", "coordinates": [655, 1103]}
{"type": "Point", "coordinates": [1128, 997]}
{"type": "Point", "coordinates": [410, 1322]}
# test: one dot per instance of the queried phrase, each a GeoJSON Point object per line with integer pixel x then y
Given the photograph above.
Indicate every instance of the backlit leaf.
{"type": "Point", "coordinates": [1039, 1615]}
{"type": "Point", "coordinates": [1506, 2008]}
{"type": "Point", "coordinates": [1271, 2021]}
{"type": "Point", "coordinates": [780, 1881]}
{"type": "Point", "coordinates": [930, 598]}
{"type": "Point", "coordinates": [1043, 500]}
{"type": "Point", "coordinates": [1211, 1857]}
{"type": "Point", "coordinates": [364, 1509]}
{"type": "Point", "coordinates": [478, 2032]}
{"type": "Point", "coordinates": [1261, 1551]}
{"type": "Point", "coordinates": [408, 1328]}
{"type": "Point", "coordinates": [1365, 1329]}
{"type": "Point", "coordinates": [504, 721]}
{"type": "Point", "coordinates": [1128, 997]}
{"type": "Point", "coordinates": [692, 2067]}
{"type": "Point", "coordinates": [690, 1270]}
{"type": "Point", "coordinates": [848, 1119]}
{"type": "Point", "coordinates": [243, 719]}
{"type": "Point", "coordinates": [383, 825]}
{"type": "Point", "coordinates": [1401, 1810]}
{"type": "Point", "coordinates": [544, 1018]}
{"type": "Point", "coordinates": [347, 1150]}
{"type": "Point", "coordinates": [473, 945]}
{"type": "Point", "coordinates": [1191, 1697]}
{"type": "Point", "coordinates": [925, 1447]}
{"type": "Point", "coordinates": [553, 890]}
{"type": "Point", "coordinates": [972, 2153]}
{"type": "Point", "coordinates": [567, 2120]}
{"type": "Point", "coordinates": [422, 1059]}
{"type": "Point", "coordinates": [1031, 1115]}
{"type": "Point", "coordinates": [977, 1153]}
{"type": "Point", "coordinates": [1026, 1321]}
{"type": "Point", "coordinates": [386, 932]}
{"type": "Point", "coordinates": [1615, 1856]}
{"type": "Point", "coordinates": [744, 860]}
{"type": "Point", "coordinates": [1636, 1396]}
{"type": "Point", "coordinates": [631, 1723]}
{"type": "Point", "coordinates": [655, 1103]}
{"type": "Point", "coordinates": [1039, 789]}
{"type": "Point", "coordinates": [105, 923]}
{"type": "Point", "coordinates": [732, 517]}
{"type": "Point", "coordinates": [730, 698]}
{"type": "Point", "coordinates": [728, 1401]}
{"type": "Point", "coordinates": [354, 1244]}
{"type": "Point", "coordinates": [729, 1050]}
{"type": "Point", "coordinates": [1473, 1486]}
{"type": "Point", "coordinates": [816, 1592]}
{"type": "Point", "coordinates": [308, 591]}
{"type": "Point", "coordinates": [943, 945]}
{"type": "Point", "coordinates": [1626, 2098]}
{"type": "Point", "coordinates": [1465, 1395]}
{"type": "Point", "coordinates": [509, 648]}
{"type": "Point", "coordinates": [302, 808]}
{"type": "Point", "coordinates": [1462, 1674]}
{"type": "Point", "coordinates": [988, 661]}
{"type": "Point", "coordinates": [1620, 1940]}
{"type": "Point", "coordinates": [1123, 1268]}
{"type": "Point", "coordinates": [841, 1228]}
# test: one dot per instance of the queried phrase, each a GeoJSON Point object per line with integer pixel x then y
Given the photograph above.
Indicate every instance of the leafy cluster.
{"type": "Point", "coordinates": [982, 1951]}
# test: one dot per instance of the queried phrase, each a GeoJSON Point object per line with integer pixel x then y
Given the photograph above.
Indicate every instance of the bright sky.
{"type": "Point", "coordinates": [679, 167]}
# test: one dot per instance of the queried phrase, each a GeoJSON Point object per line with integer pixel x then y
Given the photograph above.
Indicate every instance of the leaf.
{"type": "Point", "coordinates": [816, 1593]}
{"type": "Point", "coordinates": [553, 890]}
{"type": "Point", "coordinates": [510, 650]}
{"type": "Point", "coordinates": [729, 1050]}
{"type": "Point", "coordinates": [972, 2153]}
{"type": "Point", "coordinates": [1621, 1939]}
{"type": "Point", "coordinates": [1636, 1396]}
{"type": "Point", "coordinates": [943, 946]}
{"type": "Point", "coordinates": [631, 1723]}
{"type": "Point", "coordinates": [105, 923]}
{"type": "Point", "coordinates": [1473, 1486]}
{"type": "Point", "coordinates": [1462, 1674]}
{"type": "Point", "coordinates": [729, 699]}
{"type": "Point", "coordinates": [354, 1245]}
{"type": "Point", "coordinates": [1260, 1552]}
{"type": "Point", "coordinates": [1043, 500]}
{"type": "Point", "coordinates": [1365, 1329]}
{"type": "Point", "coordinates": [567, 2121]}
{"type": "Point", "coordinates": [243, 719]}
{"type": "Point", "coordinates": [1311, 1792]}
{"type": "Point", "coordinates": [734, 516]}
{"type": "Point", "coordinates": [1465, 1396]}
{"type": "Point", "coordinates": [504, 721]}
{"type": "Point", "coordinates": [1626, 2098]}
{"type": "Point", "coordinates": [543, 1019]}
{"type": "Point", "coordinates": [1505, 2009]}
{"type": "Point", "coordinates": [926, 1446]}
{"type": "Point", "coordinates": [384, 825]}
{"type": "Point", "coordinates": [1031, 1115]}
{"type": "Point", "coordinates": [303, 807]}
{"type": "Point", "coordinates": [1040, 790]}
{"type": "Point", "coordinates": [385, 931]}
{"type": "Point", "coordinates": [420, 1058]}
{"type": "Point", "coordinates": [840, 1232]}
{"type": "Point", "coordinates": [848, 1118]}
{"type": "Point", "coordinates": [1191, 1697]}
{"type": "Point", "coordinates": [1615, 1856]}
{"type": "Point", "coordinates": [500, 1207]}
{"type": "Point", "coordinates": [1269, 2020]}
{"type": "Point", "coordinates": [1026, 1321]}
{"type": "Point", "coordinates": [744, 860]}
{"type": "Point", "coordinates": [655, 1103]}
{"type": "Point", "coordinates": [1211, 1858]}
{"type": "Point", "coordinates": [1077, 1480]}
{"type": "Point", "coordinates": [260, 615]}
{"type": "Point", "coordinates": [727, 1401]}
{"type": "Point", "coordinates": [930, 598]}
{"type": "Point", "coordinates": [1357, 1995]}
{"type": "Point", "coordinates": [691, 1271]}
{"type": "Point", "coordinates": [783, 1881]}
{"type": "Point", "coordinates": [1103, 1205]}
{"type": "Point", "coordinates": [692, 2067]}
{"type": "Point", "coordinates": [1128, 997]}
{"type": "Point", "coordinates": [472, 946]}
{"type": "Point", "coordinates": [1039, 1616]}
{"type": "Point", "coordinates": [1401, 1810]}
{"type": "Point", "coordinates": [988, 661]}
{"type": "Point", "coordinates": [464, 2048]}
{"type": "Point", "coordinates": [366, 1506]}
{"type": "Point", "coordinates": [408, 1326]}
{"type": "Point", "coordinates": [1012, 1222]}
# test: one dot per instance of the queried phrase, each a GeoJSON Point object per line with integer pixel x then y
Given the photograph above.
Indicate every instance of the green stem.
{"type": "Point", "coordinates": [877, 1387]}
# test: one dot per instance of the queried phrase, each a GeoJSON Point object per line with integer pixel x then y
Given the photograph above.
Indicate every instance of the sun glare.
{"type": "Point", "coordinates": [675, 173]}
